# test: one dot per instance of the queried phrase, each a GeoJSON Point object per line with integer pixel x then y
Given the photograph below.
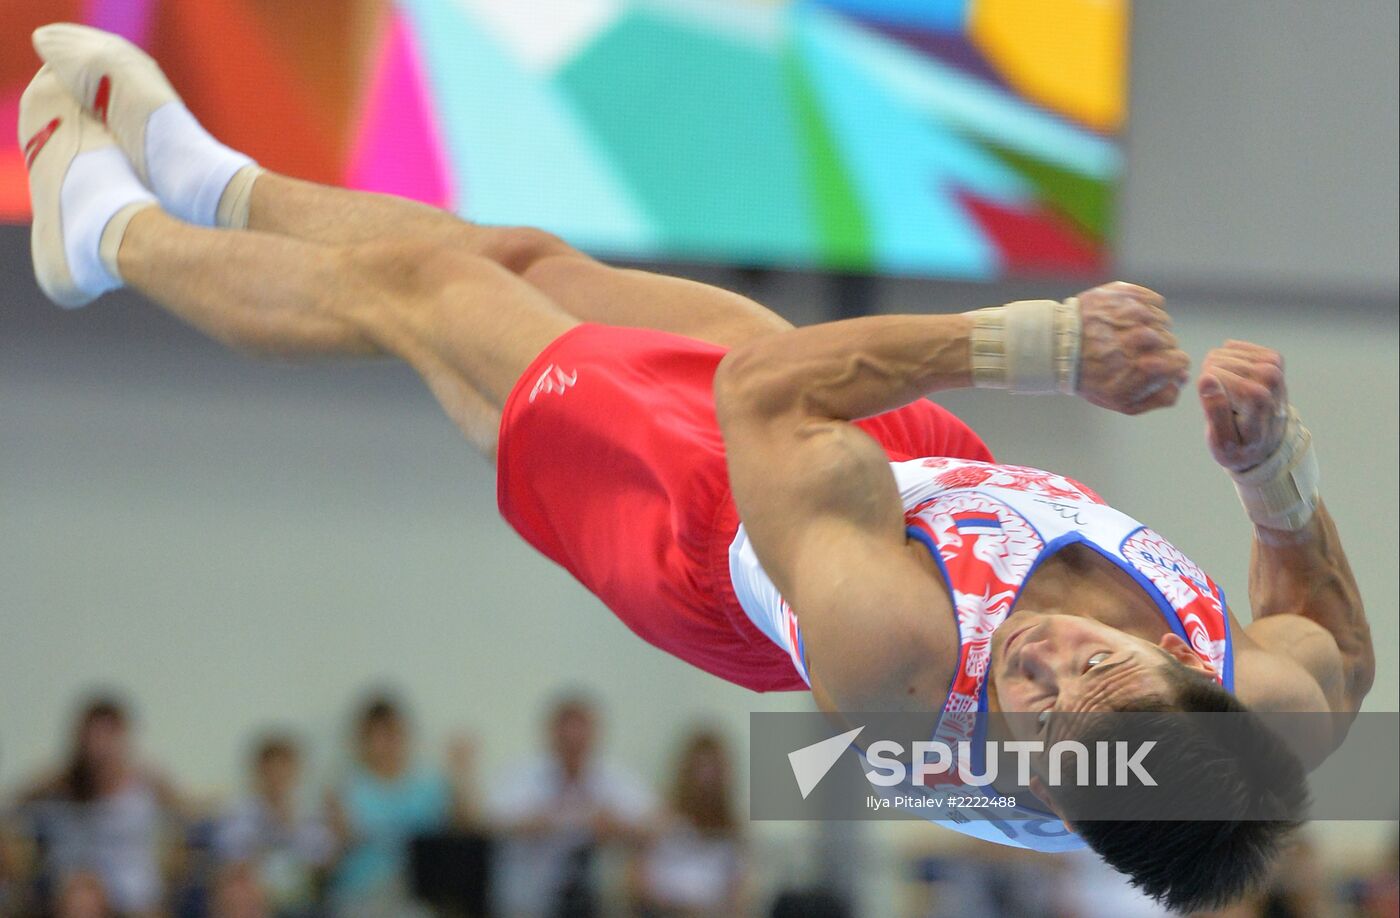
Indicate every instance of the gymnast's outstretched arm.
{"type": "Point", "coordinates": [1126, 357]}
{"type": "Point", "coordinates": [817, 495]}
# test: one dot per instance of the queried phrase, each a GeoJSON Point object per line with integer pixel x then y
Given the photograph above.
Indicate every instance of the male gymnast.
{"type": "Point", "coordinates": [778, 506]}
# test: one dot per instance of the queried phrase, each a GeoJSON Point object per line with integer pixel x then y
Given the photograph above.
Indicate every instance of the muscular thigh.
{"type": "Point", "coordinates": [467, 324]}
{"type": "Point", "coordinates": [591, 291]}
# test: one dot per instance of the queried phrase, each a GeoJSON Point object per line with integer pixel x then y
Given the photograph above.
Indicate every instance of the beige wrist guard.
{"type": "Point", "coordinates": [1030, 347]}
{"type": "Point", "coordinates": [1281, 491]}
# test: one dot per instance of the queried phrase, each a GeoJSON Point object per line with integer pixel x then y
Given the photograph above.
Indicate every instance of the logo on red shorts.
{"type": "Point", "coordinates": [553, 379]}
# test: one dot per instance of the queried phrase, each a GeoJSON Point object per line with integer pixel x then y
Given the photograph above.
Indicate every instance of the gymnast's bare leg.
{"type": "Point", "coordinates": [468, 326]}
{"type": "Point", "coordinates": [587, 289]}
{"type": "Point", "coordinates": [355, 273]}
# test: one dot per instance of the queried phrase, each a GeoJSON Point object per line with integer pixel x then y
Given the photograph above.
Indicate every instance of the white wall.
{"type": "Point", "coordinates": [1262, 145]}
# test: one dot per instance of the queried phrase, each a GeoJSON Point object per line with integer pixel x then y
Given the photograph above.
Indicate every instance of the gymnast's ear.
{"type": "Point", "coordinates": [1042, 793]}
{"type": "Point", "coordinates": [1180, 651]}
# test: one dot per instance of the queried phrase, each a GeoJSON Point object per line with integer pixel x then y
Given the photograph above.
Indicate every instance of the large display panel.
{"type": "Point", "coordinates": [956, 138]}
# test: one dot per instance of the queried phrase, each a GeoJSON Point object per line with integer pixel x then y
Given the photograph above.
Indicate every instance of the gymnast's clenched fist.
{"type": "Point", "coordinates": [1129, 360]}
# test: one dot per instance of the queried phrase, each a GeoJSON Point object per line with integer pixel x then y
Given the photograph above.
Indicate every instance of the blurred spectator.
{"type": "Point", "coordinates": [383, 803]}
{"type": "Point", "coordinates": [1089, 888]}
{"type": "Point", "coordinates": [81, 896]}
{"type": "Point", "coordinates": [967, 877]}
{"type": "Point", "coordinates": [694, 863]}
{"type": "Point", "coordinates": [11, 893]}
{"type": "Point", "coordinates": [239, 893]}
{"type": "Point", "coordinates": [964, 877]}
{"type": "Point", "coordinates": [554, 814]}
{"type": "Point", "coordinates": [99, 821]}
{"type": "Point", "coordinates": [1379, 894]}
{"type": "Point", "coordinates": [1299, 887]}
{"type": "Point", "coordinates": [270, 833]}
{"type": "Point", "coordinates": [1295, 888]}
{"type": "Point", "coordinates": [812, 903]}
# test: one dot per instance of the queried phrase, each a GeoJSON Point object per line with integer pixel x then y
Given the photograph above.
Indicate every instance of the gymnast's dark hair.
{"type": "Point", "coordinates": [1235, 767]}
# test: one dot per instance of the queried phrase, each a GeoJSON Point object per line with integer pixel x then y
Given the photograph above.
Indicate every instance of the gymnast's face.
{"type": "Point", "coordinates": [1042, 663]}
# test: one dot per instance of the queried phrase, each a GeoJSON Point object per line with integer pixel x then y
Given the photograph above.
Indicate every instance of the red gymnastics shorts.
{"type": "Point", "coordinates": [610, 463]}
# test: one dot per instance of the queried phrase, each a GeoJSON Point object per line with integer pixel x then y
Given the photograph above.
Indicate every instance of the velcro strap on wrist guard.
{"type": "Point", "coordinates": [1281, 491]}
{"type": "Point", "coordinates": [1030, 347]}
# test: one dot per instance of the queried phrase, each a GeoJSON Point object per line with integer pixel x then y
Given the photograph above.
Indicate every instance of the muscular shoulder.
{"type": "Point", "coordinates": [1287, 663]}
{"type": "Point", "coordinates": [50, 783]}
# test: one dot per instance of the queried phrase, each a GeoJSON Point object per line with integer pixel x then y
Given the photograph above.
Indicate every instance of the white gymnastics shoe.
{"type": "Point", "coordinates": [124, 88]}
{"type": "Point", "coordinates": [82, 190]}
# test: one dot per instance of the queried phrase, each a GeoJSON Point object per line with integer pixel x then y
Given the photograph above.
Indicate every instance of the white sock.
{"type": "Point", "coordinates": [189, 169]}
{"type": "Point", "coordinates": [99, 186]}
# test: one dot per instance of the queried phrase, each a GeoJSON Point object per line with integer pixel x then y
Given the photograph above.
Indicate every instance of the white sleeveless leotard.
{"type": "Point", "coordinates": [988, 527]}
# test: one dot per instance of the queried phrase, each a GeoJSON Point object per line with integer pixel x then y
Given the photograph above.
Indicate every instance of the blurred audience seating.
{"type": "Point", "coordinates": [564, 834]}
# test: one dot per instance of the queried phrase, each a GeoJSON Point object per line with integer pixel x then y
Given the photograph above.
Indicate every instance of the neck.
{"type": "Point", "coordinates": [108, 776]}
{"type": "Point", "coordinates": [280, 805]}
{"type": "Point", "coordinates": [387, 770]}
{"type": "Point", "coordinates": [1079, 581]}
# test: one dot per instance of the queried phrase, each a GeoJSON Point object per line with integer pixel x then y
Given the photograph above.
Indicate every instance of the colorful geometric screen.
{"type": "Point", "coordinates": [962, 138]}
